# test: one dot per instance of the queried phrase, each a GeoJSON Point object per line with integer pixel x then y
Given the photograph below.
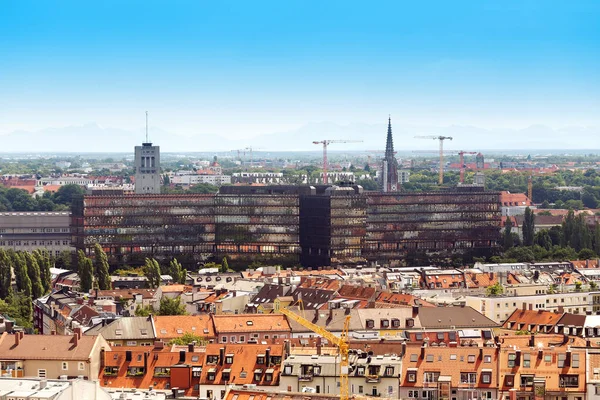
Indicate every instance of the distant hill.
{"type": "Point", "coordinates": [94, 138]}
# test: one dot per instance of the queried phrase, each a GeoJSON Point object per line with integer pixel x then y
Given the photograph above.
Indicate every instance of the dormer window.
{"type": "Point", "coordinates": [257, 374]}
{"type": "Point", "coordinates": [370, 324]}
{"type": "Point", "coordinates": [229, 359]}
{"type": "Point", "coordinates": [384, 323]}
{"type": "Point", "coordinates": [212, 359]}
{"type": "Point", "coordinates": [260, 359]}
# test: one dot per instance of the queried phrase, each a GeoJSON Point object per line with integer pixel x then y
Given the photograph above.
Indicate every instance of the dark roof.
{"type": "Point", "coordinates": [572, 319]}
{"type": "Point", "coordinates": [84, 315]}
{"type": "Point", "coordinates": [313, 298]}
{"type": "Point", "coordinates": [268, 293]}
{"type": "Point", "coordinates": [458, 317]}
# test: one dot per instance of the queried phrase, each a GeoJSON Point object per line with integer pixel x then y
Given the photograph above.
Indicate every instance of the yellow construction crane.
{"type": "Point", "coordinates": [441, 139]}
{"type": "Point", "coordinates": [340, 342]}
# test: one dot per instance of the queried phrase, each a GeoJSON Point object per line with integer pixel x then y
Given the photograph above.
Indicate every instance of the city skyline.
{"type": "Point", "coordinates": [237, 71]}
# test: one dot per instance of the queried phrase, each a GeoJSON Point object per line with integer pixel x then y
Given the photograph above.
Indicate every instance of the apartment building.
{"type": "Point", "coordinates": [541, 366]}
{"type": "Point", "coordinates": [250, 328]}
{"type": "Point", "coordinates": [499, 308]}
{"type": "Point", "coordinates": [130, 331]}
{"type": "Point", "coordinates": [370, 375]}
{"type": "Point", "coordinates": [449, 371]}
{"type": "Point", "coordinates": [51, 356]}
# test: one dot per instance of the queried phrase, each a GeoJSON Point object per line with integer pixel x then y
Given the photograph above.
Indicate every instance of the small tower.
{"type": "Point", "coordinates": [389, 168]}
{"type": "Point", "coordinates": [479, 162]}
{"type": "Point", "coordinates": [147, 167]}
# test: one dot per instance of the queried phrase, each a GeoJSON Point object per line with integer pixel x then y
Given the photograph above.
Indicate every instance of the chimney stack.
{"type": "Point", "coordinates": [17, 338]}
{"type": "Point", "coordinates": [75, 339]}
{"type": "Point", "coordinates": [268, 357]}
{"type": "Point", "coordinates": [53, 332]}
{"type": "Point", "coordinates": [78, 332]}
{"type": "Point", "coordinates": [415, 311]}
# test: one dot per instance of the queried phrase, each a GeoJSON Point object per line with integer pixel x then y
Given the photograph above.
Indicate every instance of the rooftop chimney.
{"type": "Point", "coordinates": [415, 311]}
{"type": "Point", "coordinates": [75, 339]}
{"type": "Point", "coordinates": [78, 332]}
{"type": "Point", "coordinates": [17, 338]}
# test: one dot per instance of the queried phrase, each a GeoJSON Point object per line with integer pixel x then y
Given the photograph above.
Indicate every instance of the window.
{"type": "Point", "coordinates": [131, 343]}
{"type": "Point", "coordinates": [452, 356]}
{"type": "Point", "coordinates": [575, 360]}
{"type": "Point", "coordinates": [287, 369]}
{"type": "Point", "coordinates": [195, 359]}
{"type": "Point", "coordinates": [389, 371]}
{"type": "Point", "coordinates": [413, 394]}
{"type": "Point", "coordinates": [526, 380]}
{"type": "Point", "coordinates": [511, 360]}
{"type": "Point", "coordinates": [212, 359]}
{"type": "Point", "coordinates": [41, 373]}
{"type": "Point", "coordinates": [242, 339]}
{"type": "Point", "coordinates": [229, 359]}
{"type": "Point", "coordinates": [223, 339]}
{"type": "Point", "coordinates": [260, 359]}
{"type": "Point", "coordinates": [487, 359]}
{"type": "Point", "coordinates": [431, 377]}
{"type": "Point", "coordinates": [509, 380]}
{"type": "Point", "coordinates": [561, 360]}
{"type": "Point", "coordinates": [468, 377]}
{"type": "Point", "coordinates": [370, 323]}
{"type": "Point", "coordinates": [226, 374]}
{"type": "Point", "coordinates": [486, 377]}
{"type": "Point", "coordinates": [81, 366]}
{"type": "Point", "coordinates": [440, 335]}
{"type": "Point", "coordinates": [65, 365]}
{"type": "Point", "coordinates": [429, 358]}
{"type": "Point", "coordinates": [414, 357]}
{"type": "Point", "coordinates": [548, 358]}
{"type": "Point", "coordinates": [411, 376]}
{"type": "Point", "coordinates": [385, 323]}
{"type": "Point", "coordinates": [257, 374]}
{"type": "Point", "coordinates": [568, 381]}
{"type": "Point", "coordinates": [471, 359]}
{"type": "Point", "coordinates": [360, 370]}
{"type": "Point", "coordinates": [526, 360]}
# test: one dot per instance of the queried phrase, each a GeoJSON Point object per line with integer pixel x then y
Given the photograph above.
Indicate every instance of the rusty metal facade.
{"type": "Point", "coordinates": [312, 229]}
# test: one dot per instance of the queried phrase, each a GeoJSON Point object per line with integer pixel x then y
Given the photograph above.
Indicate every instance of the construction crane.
{"type": "Point", "coordinates": [441, 139]}
{"type": "Point", "coordinates": [462, 163]}
{"type": "Point", "coordinates": [340, 342]}
{"type": "Point", "coordinates": [325, 143]}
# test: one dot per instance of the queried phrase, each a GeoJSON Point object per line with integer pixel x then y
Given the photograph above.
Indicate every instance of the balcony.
{"type": "Point", "coordinates": [305, 378]}
{"type": "Point", "coordinates": [373, 378]}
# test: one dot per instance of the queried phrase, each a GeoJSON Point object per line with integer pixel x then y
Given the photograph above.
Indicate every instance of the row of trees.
{"type": "Point", "coordinates": [15, 199]}
{"type": "Point", "coordinates": [572, 240]}
{"type": "Point", "coordinates": [32, 280]}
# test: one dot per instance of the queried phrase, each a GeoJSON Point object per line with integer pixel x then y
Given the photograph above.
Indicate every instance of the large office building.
{"type": "Point", "coordinates": [147, 169]}
{"type": "Point", "coordinates": [289, 225]}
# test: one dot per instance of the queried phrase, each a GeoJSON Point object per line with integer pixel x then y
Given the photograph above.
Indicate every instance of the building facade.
{"type": "Point", "coordinates": [28, 231]}
{"type": "Point", "coordinates": [147, 169]}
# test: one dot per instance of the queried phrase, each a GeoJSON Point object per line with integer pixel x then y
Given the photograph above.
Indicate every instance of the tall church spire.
{"type": "Point", "coordinates": [389, 144]}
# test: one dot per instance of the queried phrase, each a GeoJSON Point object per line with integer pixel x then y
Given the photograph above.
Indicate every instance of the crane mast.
{"type": "Point", "coordinates": [340, 342]}
{"type": "Point", "coordinates": [326, 143]}
{"type": "Point", "coordinates": [441, 139]}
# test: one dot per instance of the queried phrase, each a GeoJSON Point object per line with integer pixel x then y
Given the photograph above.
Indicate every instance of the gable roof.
{"type": "Point", "coordinates": [458, 317]}
{"type": "Point", "coordinates": [250, 323]}
{"type": "Point", "coordinates": [536, 318]}
{"type": "Point", "coordinates": [125, 328]}
{"type": "Point", "coordinates": [46, 347]}
{"type": "Point", "coordinates": [174, 326]}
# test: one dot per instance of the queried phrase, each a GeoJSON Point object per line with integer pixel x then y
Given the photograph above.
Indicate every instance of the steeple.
{"type": "Point", "coordinates": [389, 144]}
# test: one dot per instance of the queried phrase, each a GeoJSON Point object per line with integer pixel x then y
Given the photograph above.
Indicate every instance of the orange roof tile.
{"type": "Point", "coordinates": [173, 326]}
{"type": "Point", "coordinates": [250, 323]}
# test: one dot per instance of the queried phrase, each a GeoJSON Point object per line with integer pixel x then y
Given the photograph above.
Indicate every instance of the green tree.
{"type": "Point", "coordinates": [85, 271]}
{"type": "Point", "coordinates": [188, 338]}
{"type": "Point", "coordinates": [545, 204]}
{"type": "Point", "coordinates": [176, 271]}
{"type": "Point", "coordinates": [507, 236]}
{"type": "Point", "coordinates": [141, 311]}
{"type": "Point", "coordinates": [45, 263]}
{"type": "Point", "coordinates": [102, 268]}
{"type": "Point", "coordinates": [21, 275]}
{"type": "Point", "coordinates": [33, 270]}
{"type": "Point", "coordinates": [495, 290]}
{"type": "Point", "coordinates": [521, 254]}
{"type": "Point", "coordinates": [224, 265]}
{"type": "Point", "coordinates": [5, 274]}
{"type": "Point", "coordinates": [170, 306]}
{"type": "Point", "coordinates": [64, 261]}
{"type": "Point", "coordinates": [528, 227]}
{"type": "Point", "coordinates": [543, 239]}
{"type": "Point", "coordinates": [586, 254]}
{"type": "Point", "coordinates": [66, 193]}
{"type": "Point", "coordinates": [152, 272]}
{"type": "Point", "coordinates": [597, 239]}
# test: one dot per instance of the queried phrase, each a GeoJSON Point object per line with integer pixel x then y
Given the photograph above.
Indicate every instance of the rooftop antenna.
{"type": "Point", "coordinates": [146, 126]}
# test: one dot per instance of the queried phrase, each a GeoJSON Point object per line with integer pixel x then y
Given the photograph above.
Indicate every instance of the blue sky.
{"type": "Point", "coordinates": [244, 68]}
